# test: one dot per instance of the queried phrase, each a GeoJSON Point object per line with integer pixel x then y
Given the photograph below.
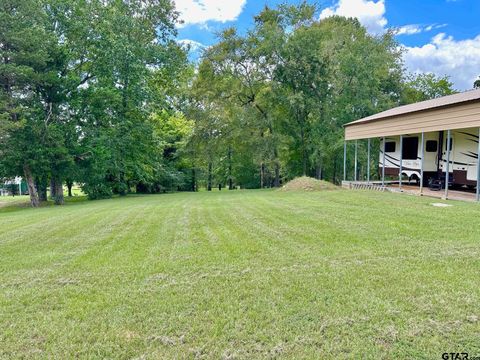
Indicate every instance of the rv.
{"type": "Point", "coordinates": [463, 157]}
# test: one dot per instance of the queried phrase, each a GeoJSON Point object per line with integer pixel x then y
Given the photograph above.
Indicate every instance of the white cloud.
{"type": "Point", "coordinates": [369, 12]}
{"type": "Point", "coordinates": [446, 56]}
{"type": "Point", "coordinates": [192, 44]}
{"type": "Point", "coordinates": [434, 27]}
{"type": "Point", "coordinates": [416, 28]}
{"type": "Point", "coordinates": [409, 30]}
{"type": "Point", "coordinates": [195, 48]}
{"type": "Point", "coordinates": [201, 11]}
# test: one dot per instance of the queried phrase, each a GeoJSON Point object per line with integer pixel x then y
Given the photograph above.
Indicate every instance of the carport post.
{"type": "Point", "coordinates": [422, 153]}
{"type": "Point", "coordinates": [368, 161]}
{"type": "Point", "coordinates": [356, 159]}
{"type": "Point", "coordinates": [478, 167]}
{"type": "Point", "coordinates": [447, 170]}
{"type": "Point", "coordinates": [383, 163]}
{"type": "Point", "coordinates": [400, 168]}
{"type": "Point", "coordinates": [345, 160]}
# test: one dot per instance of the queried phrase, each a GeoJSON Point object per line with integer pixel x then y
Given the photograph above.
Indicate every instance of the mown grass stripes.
{"type": "Point", "coordinates": [240, 274]}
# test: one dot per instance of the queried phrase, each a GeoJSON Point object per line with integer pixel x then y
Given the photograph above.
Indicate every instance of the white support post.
{"type": "Point", "coordinates": [356, 160]}
{"type": "Point", "coordinates": [447, 169]}
{"type": "Point", "coordinates": [478, 168]}
{"type": "Point", "coordinates": [344, 160]}
{"type": "Point", "coordinates": [368, 161]}
{"type": "Point", "coordinates": [400, 167]}
{"type": "Point", "coordinates": [422, 154]}
{"type": "Point", "coordinates": [383, 163]}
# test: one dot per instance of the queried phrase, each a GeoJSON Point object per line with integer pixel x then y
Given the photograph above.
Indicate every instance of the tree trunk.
{"type": "Point", "coordinates": [304, 161]}
{"type": "Point", "coordinates": [304, 154]}
{"type": "Point", "coordinates": [318, 172]}
{"type": "Point", "coordinates": [52, 188]}
{"type": "Point", "coordinates": [230, 180]}
{"type": "Point", "coordinates": [304, 164]}
{"type": "Point", "coordinates": [58, 191]}
{"type": "Point", "coordinates": [34, 201]}
{"type": "Point", "coordinates": [123, 187]}
{"type": "Point", "coordinates": [41, 185]}
{"type": "Point", "coordinates": [209, 184]}
{"type": "Point", "coordinates": [69, 187]}
{"type": "Point", "coordinates": [262, 175]}
{"type": "Point", "coordinates": [194, 180]}
{"type": "Point", "coordinates": [334, 177]}
{"type": "Point", "coordinates": [276, 180]}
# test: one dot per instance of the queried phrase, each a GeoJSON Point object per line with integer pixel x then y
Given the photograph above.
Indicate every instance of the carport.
{"type": "Point", "coordinates": [439, 122]}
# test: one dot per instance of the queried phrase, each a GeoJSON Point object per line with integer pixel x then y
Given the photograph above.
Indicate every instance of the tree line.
{"type": "Point", "coordinates": [101, 94]}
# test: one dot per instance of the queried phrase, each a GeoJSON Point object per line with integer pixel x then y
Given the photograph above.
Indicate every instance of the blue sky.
{"type": "Point", "coordinates": [439, 36]}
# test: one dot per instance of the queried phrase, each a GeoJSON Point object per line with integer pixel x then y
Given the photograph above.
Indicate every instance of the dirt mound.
{"type": "Point", "coordinates": [305, 183]}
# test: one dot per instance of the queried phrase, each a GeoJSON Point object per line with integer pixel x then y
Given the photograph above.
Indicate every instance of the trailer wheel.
{"type": "Point", "coordinates": [415, 178]}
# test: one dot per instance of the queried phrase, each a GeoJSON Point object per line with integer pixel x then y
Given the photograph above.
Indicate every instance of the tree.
{"type": "Point", "coordinates": [476, 84]}
{"type": "Point", "coordinates": [243, 80]}
{"type": "Point", "coordinates": [287, 87]}
{"type": "Point", "coordinates": [365, 74]}
{"type": "Point", "coordinates": [422, 87]}
{"type": "Point", "coordinates": [117, 148]}
{"type": "Point", "coordinates": [23, 53]}
{"type": "Point", "coordinates": [77, 92]}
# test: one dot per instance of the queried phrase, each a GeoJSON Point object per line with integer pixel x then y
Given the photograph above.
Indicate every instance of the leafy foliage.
{"type": "Point", "coordinates": [293, 82]}
{"type": "Point", "coordinates": [422, 87]}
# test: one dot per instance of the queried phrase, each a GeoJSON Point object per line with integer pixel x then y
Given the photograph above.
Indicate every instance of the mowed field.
{"type": "Point", "coordinates": [241, 274]}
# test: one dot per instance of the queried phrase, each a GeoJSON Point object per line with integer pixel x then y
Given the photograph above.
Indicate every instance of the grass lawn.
{"type": "Point", "coordinates": [8, 200]}
{"type": "Point", "coordinates": [241, 274]}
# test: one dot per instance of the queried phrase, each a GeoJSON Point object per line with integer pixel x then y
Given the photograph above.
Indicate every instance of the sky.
{"type": "Point", "coordinates": [439, 36]}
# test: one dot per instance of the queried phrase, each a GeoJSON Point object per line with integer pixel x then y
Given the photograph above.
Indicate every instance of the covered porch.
{"type": "Point", "coordinates": [462, 195]}
{"type": "Point", "coordinates": [420, 142]}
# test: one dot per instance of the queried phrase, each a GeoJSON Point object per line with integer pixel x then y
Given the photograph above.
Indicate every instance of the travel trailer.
{"type": "Point", "coordinates": [463, 157]}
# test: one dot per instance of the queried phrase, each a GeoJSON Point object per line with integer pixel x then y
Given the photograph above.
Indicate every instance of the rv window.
{"type": "Point", "coordinates": [432, 146]}
{"type": "Point", "coordinates": [410, 148]}
{"type": "Point", "coordinates": [390, 146]}
{"type": "Point", "coordinates": [451, 144]}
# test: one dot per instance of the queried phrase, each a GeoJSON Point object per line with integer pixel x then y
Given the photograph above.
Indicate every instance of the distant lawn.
{"type": "Point", "coordinates": [11, 199]}
{"type": "Point", "coordinates": [241, 274]}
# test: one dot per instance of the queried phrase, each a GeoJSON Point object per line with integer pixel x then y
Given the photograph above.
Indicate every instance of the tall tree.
{"type": "Point", "coordinates": [365, 76]}
{"type": "Point", "coordinates": [244, 80]}
{"type": "Point", "coordinates": [422, 87]}
{"type": "Point", "coordinates": [23, 53]}
{"type": "Point", "coordinates": [136, 39]}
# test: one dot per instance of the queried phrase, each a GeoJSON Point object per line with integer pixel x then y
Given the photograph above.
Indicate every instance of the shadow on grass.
{"type": "Point", "coordinates": [18, 203]}
{"type": "Point", "coordinates": [21, 203]}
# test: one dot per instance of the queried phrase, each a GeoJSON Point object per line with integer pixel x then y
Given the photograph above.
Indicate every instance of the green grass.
{"type": "Point", "coordinates": [6, 200]}
{"type": "Point", "coordinates": [241, 274]}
